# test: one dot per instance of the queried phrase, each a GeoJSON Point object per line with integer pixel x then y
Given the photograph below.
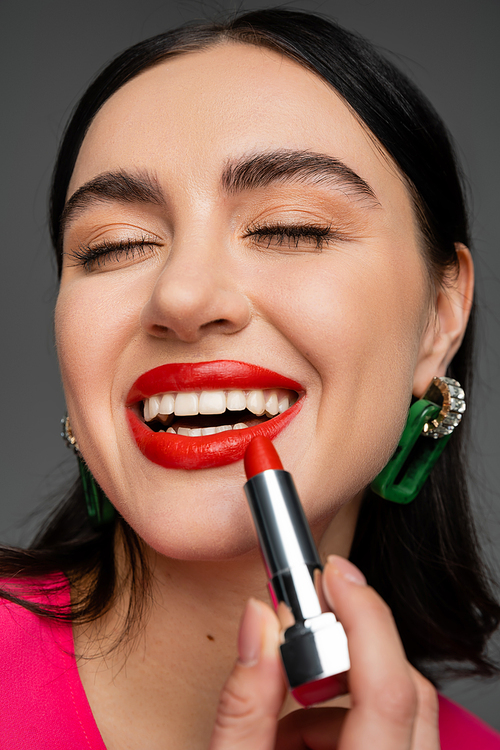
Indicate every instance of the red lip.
{"type": "Point", "coordinates": [181, 452]}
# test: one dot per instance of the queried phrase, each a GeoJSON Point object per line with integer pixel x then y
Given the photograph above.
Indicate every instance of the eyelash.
{"type": "Point", "coordinates": [90, 257]}
{"type": "Point", "coordinates": [96, 256]}
{"type": "Point", "coordinates": [293, 234]}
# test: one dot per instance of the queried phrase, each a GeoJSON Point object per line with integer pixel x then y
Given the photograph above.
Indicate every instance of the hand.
{"type": "Point", "coordinates": [393, 706]}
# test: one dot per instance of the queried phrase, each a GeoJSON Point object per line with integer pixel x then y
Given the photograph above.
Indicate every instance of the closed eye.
{"type": "Point", "coordinates": [96, 256]}
{"type": "Point", "coordinates": [293, 235]}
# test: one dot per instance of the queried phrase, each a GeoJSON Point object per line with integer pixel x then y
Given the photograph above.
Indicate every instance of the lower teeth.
{"type": "Point", "coordinates": [199, 431]}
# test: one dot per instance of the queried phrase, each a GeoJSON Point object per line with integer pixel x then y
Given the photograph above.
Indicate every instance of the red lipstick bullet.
{"type": "Point", "coordinates": [314, 645]}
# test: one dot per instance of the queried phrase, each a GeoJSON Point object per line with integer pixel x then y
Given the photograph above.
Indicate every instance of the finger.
{"type": "Point", "coordinates": [426, 727]}
{"type": "Point", "coordinates": [252, 697]}
{"type": "Point", "coordinates": [383, 693]}
{"type": "Point", "coordinates": [311, 729]}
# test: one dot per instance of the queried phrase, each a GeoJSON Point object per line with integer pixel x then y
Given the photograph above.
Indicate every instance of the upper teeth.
{"type": "Point", "coordinates": [183, 404]}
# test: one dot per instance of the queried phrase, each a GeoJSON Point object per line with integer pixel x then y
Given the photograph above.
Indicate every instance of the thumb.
{"type": "Point", "coordinates": [252, 697]}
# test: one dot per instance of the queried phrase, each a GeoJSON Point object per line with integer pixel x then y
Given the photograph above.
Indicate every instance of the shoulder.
{"type": "Point", "coordinates": [21, 629]}
{"type": "Point", "coordinates": [43, 701]}
{"type": "Point", "coordinates": [461, 730]}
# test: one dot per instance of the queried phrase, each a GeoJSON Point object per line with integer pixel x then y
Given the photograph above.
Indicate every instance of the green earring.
{"type": "Point", "coordinates": [99, 509]}
{"type": "Point", "coordinates": [431, 421]}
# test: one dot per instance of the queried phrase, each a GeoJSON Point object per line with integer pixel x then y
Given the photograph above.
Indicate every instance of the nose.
{"type": "Point", "coordinates": [194, 295]}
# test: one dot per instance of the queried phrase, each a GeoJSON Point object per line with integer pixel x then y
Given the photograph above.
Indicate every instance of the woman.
{"type": "Point", "coordinates": [266, 215]}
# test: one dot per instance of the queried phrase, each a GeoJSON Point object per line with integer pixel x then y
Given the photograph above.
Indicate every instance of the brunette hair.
{"type": "Point", "coordinates": [422, 558]}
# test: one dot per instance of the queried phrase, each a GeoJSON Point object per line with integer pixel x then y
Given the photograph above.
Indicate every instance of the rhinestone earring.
{"type": "Point", "coordinates": [431, 421]}
{"type": "Point", "coordinates": [99, 509]}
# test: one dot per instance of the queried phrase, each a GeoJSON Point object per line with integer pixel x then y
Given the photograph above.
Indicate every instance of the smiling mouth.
{"type": "Point", "coordinates": [201, 413]}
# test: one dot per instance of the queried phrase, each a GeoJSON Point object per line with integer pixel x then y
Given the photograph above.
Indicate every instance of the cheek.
{"type": "Point", "coordinates": [349, 314]}
{"type": "Point", "coordinates": [93, 325]}
{"type": "Point", "coordinates": [359, 326]}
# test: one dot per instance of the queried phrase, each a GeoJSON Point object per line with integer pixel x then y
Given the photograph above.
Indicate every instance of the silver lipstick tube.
{"type": "Point", "coordinates": [314, 644]}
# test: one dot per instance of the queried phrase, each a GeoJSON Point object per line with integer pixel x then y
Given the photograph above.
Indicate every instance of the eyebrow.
{"type": "Point", "coordinates": [118, 187]}
{"type": "Point", "coordinates": [286, 165]}
{"type": "Point", "coordinates": [247, 173]}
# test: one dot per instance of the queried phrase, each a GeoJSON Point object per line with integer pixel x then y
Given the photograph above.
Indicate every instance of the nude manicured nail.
{"type": "Point", "coordinates": [346, 570]}
{"type": "Point", "coordinates": [250, 635]}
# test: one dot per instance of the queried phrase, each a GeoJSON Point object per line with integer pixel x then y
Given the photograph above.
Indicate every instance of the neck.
{"type": "Point", "coordinates": [177, 659]}
{"type": "Point", "coordinates": [179, 656]}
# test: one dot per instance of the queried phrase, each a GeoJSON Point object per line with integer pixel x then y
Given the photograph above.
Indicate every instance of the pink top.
{"type": "Point", "coordinates": [43, 704]}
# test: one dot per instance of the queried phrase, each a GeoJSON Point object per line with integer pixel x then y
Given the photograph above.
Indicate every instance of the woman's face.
{"type": "Point", "coordinates": [233, 209]}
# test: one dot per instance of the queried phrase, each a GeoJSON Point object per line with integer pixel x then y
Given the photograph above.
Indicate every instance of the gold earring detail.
{"type": "Point", "coordinates": [450, 394]}
{"type": "Point", "coordinates": [67, 435]}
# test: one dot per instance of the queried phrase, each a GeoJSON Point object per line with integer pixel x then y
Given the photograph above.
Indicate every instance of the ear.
{"type": "Point", "coordinates": [445, 331]}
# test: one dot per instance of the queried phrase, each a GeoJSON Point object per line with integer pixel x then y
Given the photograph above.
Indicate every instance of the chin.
{"type": "Point", "coordinates": [184, 533]}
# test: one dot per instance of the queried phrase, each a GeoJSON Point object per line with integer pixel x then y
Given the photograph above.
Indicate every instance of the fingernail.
{"type": "Point", "coordinates": [346, 570]}
{"type": "Point", "coordinates": [250, 634]}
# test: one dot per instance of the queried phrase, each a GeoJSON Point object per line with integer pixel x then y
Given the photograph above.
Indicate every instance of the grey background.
{"type": "Point", "coordinates": [49, 51]}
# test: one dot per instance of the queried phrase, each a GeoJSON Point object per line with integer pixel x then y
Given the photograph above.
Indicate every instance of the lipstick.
{"type": "Point", "coordinates": [314, 645]}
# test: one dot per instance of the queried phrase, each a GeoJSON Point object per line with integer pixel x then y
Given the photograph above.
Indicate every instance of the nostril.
{"type": "Point", "coordinates": [159, 330]}
{"type": "Point", "coordinates": [218, 323]}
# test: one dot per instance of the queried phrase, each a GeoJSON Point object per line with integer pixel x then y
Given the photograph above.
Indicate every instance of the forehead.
{"type": "Point", "coordinates": [187, 116]}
